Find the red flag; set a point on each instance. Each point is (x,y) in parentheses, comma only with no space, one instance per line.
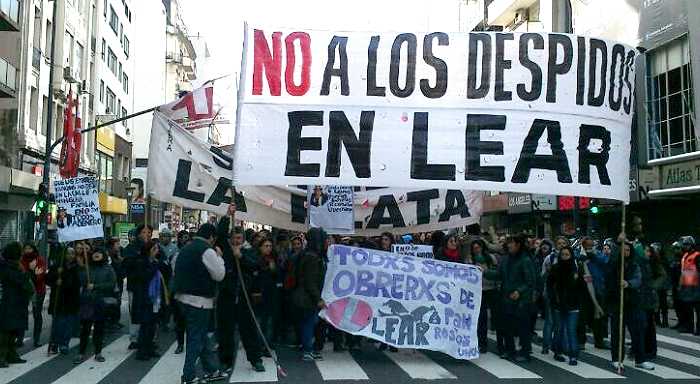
(65,160)
(77,139)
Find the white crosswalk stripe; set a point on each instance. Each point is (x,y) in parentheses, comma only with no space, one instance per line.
(419,366)
(660,370)
(168,368)
(680,357)
(34,359)
(503,369)
(243,372)
(677,342)
(91,371)
(340,366)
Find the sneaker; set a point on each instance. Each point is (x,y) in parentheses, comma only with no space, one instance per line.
(559,358)
(133,346)
(214,376)
(317,355)
(523,359)
(258,366)
(645,365)
(99,358)
(79,359)
(64,351)
(307,357)
(573,362)
(196,380)
(53,349)
(16,360)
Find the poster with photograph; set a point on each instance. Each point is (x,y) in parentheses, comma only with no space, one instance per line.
(331,208)
(79,215)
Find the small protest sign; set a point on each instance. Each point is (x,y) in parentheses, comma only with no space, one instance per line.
(331,208)
(403,301)
(78,214)
(415,250)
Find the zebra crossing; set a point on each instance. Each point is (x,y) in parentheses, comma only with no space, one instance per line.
(679,361)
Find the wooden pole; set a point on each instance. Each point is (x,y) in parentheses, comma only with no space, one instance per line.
(621,326)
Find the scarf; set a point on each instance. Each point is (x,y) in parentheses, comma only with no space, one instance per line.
(452,254)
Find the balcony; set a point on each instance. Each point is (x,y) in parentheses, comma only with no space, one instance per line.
(8,79)
(36,58)
(9,15)
(502,12)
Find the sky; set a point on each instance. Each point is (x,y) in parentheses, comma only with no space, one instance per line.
(220,22)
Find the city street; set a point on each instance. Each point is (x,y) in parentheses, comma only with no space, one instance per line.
(679,360)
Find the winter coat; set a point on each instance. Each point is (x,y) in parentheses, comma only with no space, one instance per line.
(266,284)
(564,284)
(230,287)
(516,273)
(633,276)
(38,280)
(131,254)
(104,280)
(310,272)
(140,271)
(653,278)
(64,299)
(16,291)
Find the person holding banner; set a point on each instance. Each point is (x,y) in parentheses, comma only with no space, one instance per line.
(450,251)
(386,242)
(489,294)
(64,301)
(517,277)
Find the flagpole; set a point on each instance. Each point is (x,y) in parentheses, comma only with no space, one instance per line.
(621,318)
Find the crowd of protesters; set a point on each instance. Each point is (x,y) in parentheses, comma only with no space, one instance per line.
(204,286)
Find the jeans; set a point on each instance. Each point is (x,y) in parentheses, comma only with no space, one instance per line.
(307,326)
(197,329)
(37,309)
(86,326)
(517,325)
(587,318)
(8,348)
(62,328)
(146,336)
(566,334)
(650,346)
(634,321)
(551,327)
(231,315)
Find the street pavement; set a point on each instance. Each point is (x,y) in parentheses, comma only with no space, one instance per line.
(678,361)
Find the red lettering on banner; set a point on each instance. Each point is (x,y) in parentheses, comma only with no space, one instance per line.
(305,42)
(270,63)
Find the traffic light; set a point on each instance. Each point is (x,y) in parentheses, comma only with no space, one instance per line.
(41,205)
(594,209)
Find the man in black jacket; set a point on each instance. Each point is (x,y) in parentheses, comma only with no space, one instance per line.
(132,251)
(15,291)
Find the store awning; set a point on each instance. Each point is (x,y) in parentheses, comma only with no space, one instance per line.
(110,205)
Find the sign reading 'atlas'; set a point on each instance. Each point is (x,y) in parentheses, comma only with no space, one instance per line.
(531,112)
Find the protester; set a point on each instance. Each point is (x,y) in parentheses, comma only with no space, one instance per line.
(16,292)
(653,270)
(169,248)
(551,321)
(386,241)
(450,251)
(183,238)
(632,317)
(664,285)
(489,295)
(564,285)
(592,293)
(115,259)
(97,282)
(64,301)
(689,292)
(517,277)
(197,270)
(35,264)
(307,294)
(265,293)
(132,255)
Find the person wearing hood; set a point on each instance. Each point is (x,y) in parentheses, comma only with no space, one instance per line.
(653,279)
(632,317)
(15,293)
(551,322)
(97,282)
(516,273)
(131,254)
(306,296)
(35,264)
(564,284)
(64,301)
(489,296)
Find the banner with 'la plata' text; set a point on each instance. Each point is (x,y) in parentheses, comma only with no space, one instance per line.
(517,112)
(403,301)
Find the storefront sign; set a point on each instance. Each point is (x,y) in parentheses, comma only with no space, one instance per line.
(544,202)
(519,203)
(680,175)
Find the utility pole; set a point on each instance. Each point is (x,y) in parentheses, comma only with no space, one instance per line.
(43,224)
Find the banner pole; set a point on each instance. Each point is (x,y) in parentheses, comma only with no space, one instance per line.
(621,326)
(240,85)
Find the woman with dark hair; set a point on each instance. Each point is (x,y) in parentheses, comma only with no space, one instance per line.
(97,282)
(183,238)
(35,264)
(147,294)
(64,301)
(489,296)
(450,251)
(16,291)
(564,284)
(649,295)
(306,296)
(265,294)
(386,241)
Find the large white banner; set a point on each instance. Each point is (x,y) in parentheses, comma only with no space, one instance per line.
(78,215)
(530,112)
(404,301)
(186,171)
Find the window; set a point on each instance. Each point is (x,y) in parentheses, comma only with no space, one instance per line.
(113,20)
(670,101)
(34,109)
(125,83)
(104,171)
(119,108)
(68,49)
(104,49)
(79,50)
(102,91)
(121,32)
(110,99)
(49,40)
(112,61)
(119,76)
(105,8)
(126,46)
(44,114)
(124,115)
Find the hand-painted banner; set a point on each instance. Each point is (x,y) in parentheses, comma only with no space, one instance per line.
(78,216)
(186,171)
(415,250)
(404,301)
(531,112)
(331,208)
